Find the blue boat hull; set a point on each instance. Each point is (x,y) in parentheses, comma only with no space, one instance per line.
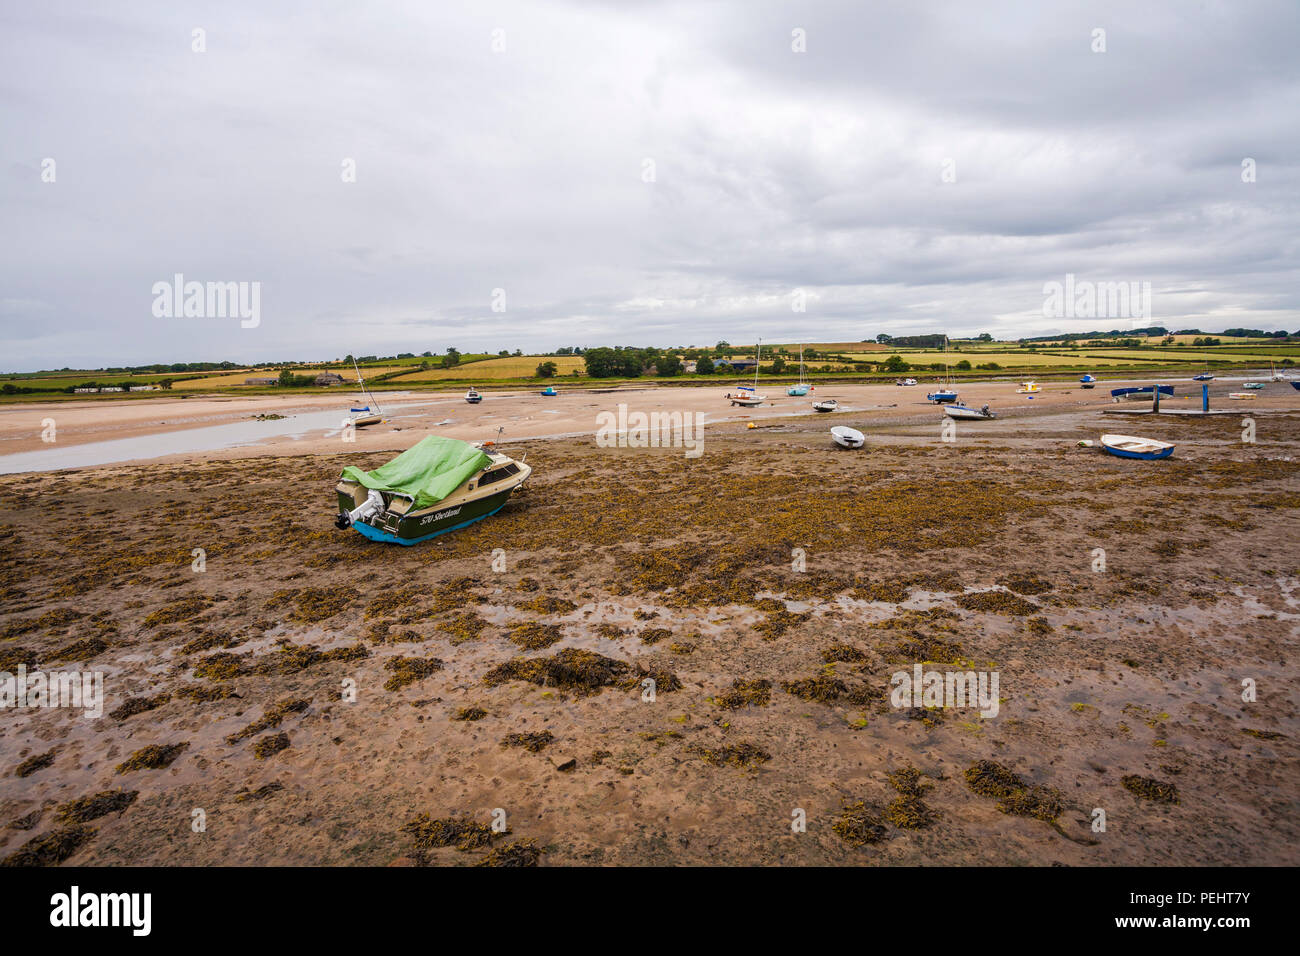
(1140,455)
(376,534)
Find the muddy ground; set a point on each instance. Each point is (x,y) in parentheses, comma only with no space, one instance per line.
(520,690)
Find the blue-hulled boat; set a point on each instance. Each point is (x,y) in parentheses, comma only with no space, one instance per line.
(549,392)
(1296,386)
(1088,381)
(1140,391)
(1127,446)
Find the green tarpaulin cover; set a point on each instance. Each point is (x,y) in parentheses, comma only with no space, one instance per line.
(428,471)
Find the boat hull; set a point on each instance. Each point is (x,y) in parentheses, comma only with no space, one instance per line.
(797,390)
(747,402)
(967,414)
(1154,452)
(1296,386)
(363,420)
(412,529)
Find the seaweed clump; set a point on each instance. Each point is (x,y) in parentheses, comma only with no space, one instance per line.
(859,825)
(138,705)
(460,832)
(271,717)
(470,713)
(1014,795)
(580,672)
(270,745)
(153,757)
(34,763)
(997,602)
(519,853)
(534,636)
(85,809)
(50,849)
(533,741)
(1150,789)
(744,755)
(408,670)
(827,689)
(909,811)
(745,693)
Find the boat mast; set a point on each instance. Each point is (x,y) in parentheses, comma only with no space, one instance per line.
(364,391)
(758,357)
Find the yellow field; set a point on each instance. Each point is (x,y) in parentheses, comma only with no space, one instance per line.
(514,366)
(231,379)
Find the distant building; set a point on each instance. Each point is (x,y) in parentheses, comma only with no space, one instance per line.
(261,381)
(329,378)
(688,366)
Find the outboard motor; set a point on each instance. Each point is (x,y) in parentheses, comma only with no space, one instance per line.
(373,504)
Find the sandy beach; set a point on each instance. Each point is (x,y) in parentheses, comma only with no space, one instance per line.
(771,588)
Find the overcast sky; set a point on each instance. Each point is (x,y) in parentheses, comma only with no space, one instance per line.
(525,168)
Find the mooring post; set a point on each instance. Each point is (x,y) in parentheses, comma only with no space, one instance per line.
(1155,399)
(1205,398)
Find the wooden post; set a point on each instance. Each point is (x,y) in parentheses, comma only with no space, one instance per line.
(1155,398)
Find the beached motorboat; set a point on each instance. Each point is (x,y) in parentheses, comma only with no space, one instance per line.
(829,405)
(1296,386)
(549,391)
(1028,388)
(968,414)
(473,397)
(942,395)
(1203,377)
(1138,392)
(1088,381)
(435,486)
(905,381)
(1254,385)
(847,437)
(1128,446)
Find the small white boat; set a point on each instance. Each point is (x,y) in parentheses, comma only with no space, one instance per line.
(905,381)
(1241,396)
(747,397)
(473,396)
(967,413)
(1129,446)
(829,405)
(848,437)
(1028,388)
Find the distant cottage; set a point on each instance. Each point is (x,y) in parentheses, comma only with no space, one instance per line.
(329,378)
(260,381)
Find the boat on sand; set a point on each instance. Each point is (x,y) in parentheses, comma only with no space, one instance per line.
(1130,446)
(829,405)
(435,486)
(966,413)
(847,437)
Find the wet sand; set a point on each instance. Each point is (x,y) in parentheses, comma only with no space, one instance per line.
(1121,689)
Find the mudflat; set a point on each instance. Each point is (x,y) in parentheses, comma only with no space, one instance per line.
(312,697)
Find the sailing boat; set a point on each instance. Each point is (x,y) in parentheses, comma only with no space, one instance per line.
(363,415)
(748,395)
(1206,376)
(803,386)
(946,394)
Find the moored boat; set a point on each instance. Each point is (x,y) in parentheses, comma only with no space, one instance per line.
(1134,393)
(747,395)
(803,386)
(1028,388)
(966,413)
(363,415)
(1296,386)
(828,405)
(1254,385)
(549,391)
(905,381)
(942,395)
(1129,446)
(847,437)
(435,486)
(473,396)
(1241,396)
(1088,381)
